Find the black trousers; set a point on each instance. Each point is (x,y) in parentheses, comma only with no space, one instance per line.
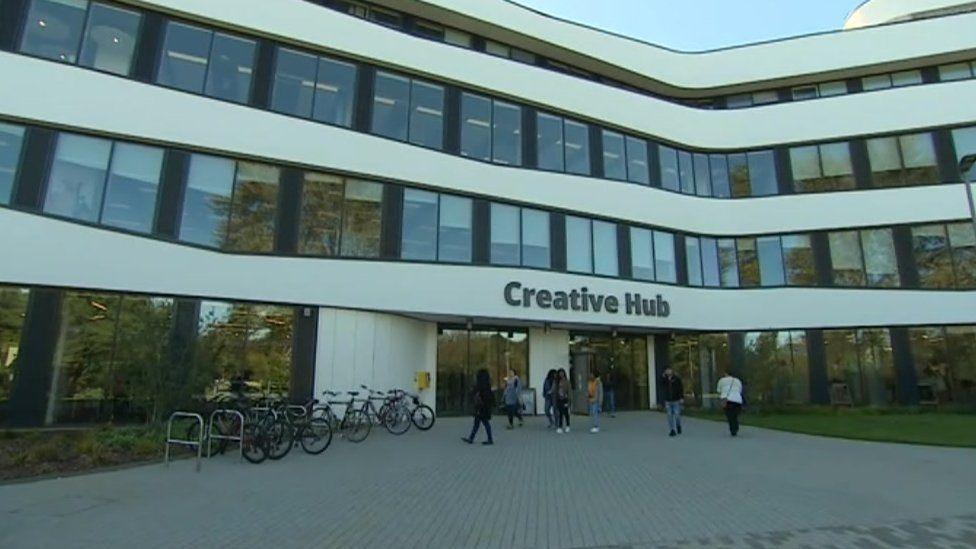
(514,411)
(732,410)
(478,421)
(562,412)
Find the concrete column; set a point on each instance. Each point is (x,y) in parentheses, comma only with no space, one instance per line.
(546,351)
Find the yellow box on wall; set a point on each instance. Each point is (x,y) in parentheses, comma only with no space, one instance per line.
(422,379)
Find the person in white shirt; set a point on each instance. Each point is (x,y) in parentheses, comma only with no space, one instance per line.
(730,394)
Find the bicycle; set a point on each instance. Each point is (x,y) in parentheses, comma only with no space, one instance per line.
(254,439)
(355,424)
(392,414)
(291,422)
(421,415)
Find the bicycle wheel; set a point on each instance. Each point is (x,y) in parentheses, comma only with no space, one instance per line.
(281,437)
(315,436)
(356,426)
(397,420)
(254,443)
(423,417)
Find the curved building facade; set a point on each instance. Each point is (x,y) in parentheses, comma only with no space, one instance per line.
(319,195)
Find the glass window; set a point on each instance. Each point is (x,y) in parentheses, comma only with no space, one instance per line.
(669,168)
(739,101)
(693,260)
(53,29)
(335,92)
(710,264)
(388,18)
(765,97)
(930,354)
(457,38)
(961,341)
(614,156)
(963,243)
(294,83)
(686,171)
(641,254)
(965,142)
(362,212)
(955,71)
(837,171)
(390,105)
(231,66)
(454,238)
(905,160)
(802,93)
(719,176)
(505,232)
(321,215)
(665,265)
(822,167)
(523,56)
(880,263)
(762,173)
(494,48)
(770,261)
(739,175)
(549,130)
(110,39)
(419,225)
(748,262)
(13,310)
(877,367)
(206,204)
(427,115)
(703,184)
(798,260)
(476,129)
(11,143)
(577,148)
(906,78)
(133,182)
(507,133)
(932,256)
(728,262)
(637,171)
(535,238)
(253,208)
(829,89)
(878,82)
(429,30)
(579,245)
(186,50)
(847,265)
(77,178)
(605,248)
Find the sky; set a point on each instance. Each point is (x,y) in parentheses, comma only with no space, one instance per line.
(695,25)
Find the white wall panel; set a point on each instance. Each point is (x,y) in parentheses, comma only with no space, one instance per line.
(546,351)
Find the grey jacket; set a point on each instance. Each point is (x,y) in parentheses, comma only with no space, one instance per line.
(513,386)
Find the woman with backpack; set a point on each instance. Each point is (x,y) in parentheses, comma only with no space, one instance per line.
(484,400)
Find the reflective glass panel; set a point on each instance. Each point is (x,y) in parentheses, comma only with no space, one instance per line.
(231,66)
(110,39)
(918,155)
(955,71)
(762,173)
(878,82)
(637,171)
(739,175)
(665,266)
(186,50)
(11,144)
(728,262)
(641,254)
(614,156)
(932,256)
(748,262)
(294,83)
(686,171)
(880,263)
(605,248)
(693,260)
(321,217)
(906,78)
(710,265)
(427,115)
(550,142)
(419,225)
(362,212)
(77,178)
(53,29)
(335,92)
(847,266)
(965,143)
(133,182)
(828,89)
(535,238)
(13,312)
(770,261)
(963,243)
(932,365)
(798,260)
(719,176)
(206,204)
(454,239)
(577,148)
(476,126)
(253,210)
(505,230)
(703,183)
(669,168)
(390,105)
(507,134)
(579,245)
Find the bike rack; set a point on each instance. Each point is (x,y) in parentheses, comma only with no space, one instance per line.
(238,438)
(183,442)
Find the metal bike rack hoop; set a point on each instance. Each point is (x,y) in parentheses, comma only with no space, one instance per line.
(184,442)
(238,438)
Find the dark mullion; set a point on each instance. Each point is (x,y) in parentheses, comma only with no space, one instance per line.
(148,47)
(288,212)
(530,140)
(391,222)
(230,211)
(905,256)
(904,362)
(557,241)
(105,180)
(654,165)
(823,266)
(206,73)
(451,126)
(34,368)
(365,85)
(861,163)
(172,189)
(12,14)
(481,232)
(945,153)
(817,364)
(681,259)
(39,145)
(624,262)
(784,169)
(265,60)
(595,134)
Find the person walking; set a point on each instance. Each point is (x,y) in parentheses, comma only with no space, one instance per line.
(547,397)
(512,398)
(730,394)
(674,398)
(610,391)
(484,400)
(594,393)
(561,394)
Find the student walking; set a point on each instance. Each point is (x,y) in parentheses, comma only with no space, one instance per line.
(674,397)
(561,394)
(547,397)
(730,394)
(484,400)
(594,392)
(512,398)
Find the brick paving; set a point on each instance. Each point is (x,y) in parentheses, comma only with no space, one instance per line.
(629,486)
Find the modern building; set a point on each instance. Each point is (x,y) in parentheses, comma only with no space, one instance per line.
(323,194)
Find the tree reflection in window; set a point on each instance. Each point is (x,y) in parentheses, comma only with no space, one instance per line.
(255,200)
(13,310)
(362,214)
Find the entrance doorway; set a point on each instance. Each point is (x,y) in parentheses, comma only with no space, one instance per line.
(462,352)
(622,363)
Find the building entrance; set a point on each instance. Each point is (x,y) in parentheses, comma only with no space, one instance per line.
(622,363)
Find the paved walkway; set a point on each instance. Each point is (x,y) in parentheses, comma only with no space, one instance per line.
(629,486)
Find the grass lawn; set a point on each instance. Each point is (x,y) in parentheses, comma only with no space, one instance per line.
(939,429)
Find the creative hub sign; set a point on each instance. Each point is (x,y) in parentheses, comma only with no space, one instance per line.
(583,300)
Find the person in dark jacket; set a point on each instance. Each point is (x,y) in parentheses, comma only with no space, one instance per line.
(548,399)
(484,400)
(674,397)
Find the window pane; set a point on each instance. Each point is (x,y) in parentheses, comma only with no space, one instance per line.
(798,259)
(641,254)
(550,142)
(906,78)
(665,265)
(686,172)
(805,164)
(739,101)
(961,341)
(963,243)
(454,240)
(294,83)
(748,262)
(828,89)
(494,48)
(918,155)
(475,126)
(762,173)
(206,205)
(710,263)
(637,161)
(11,143)
(231,66)
(802,93)
(841,353)
(739,175)
(770,261)
(605,248)
(577,148)
(457,38)
(335,92)
(720,176)
(931,364)
(77,178)
(13,313)
(185,53)
(578,245)
(728,262)
(535,238)
(878,82)
(252,217)
(955,71)
(427,115)
(321,217)
(764,97)
(880,263)
(361,218)
(428,30)
(693,261)
(932,256)
(614,157)
(965,142)
(505,235)
(838,171)
(703,185)
(419,225)
(133,182)
(110,39)
(507,134)
(885,161)
(390,105)
(53,29)
(877,366)
(385,17)
(669,168)
(847,266)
